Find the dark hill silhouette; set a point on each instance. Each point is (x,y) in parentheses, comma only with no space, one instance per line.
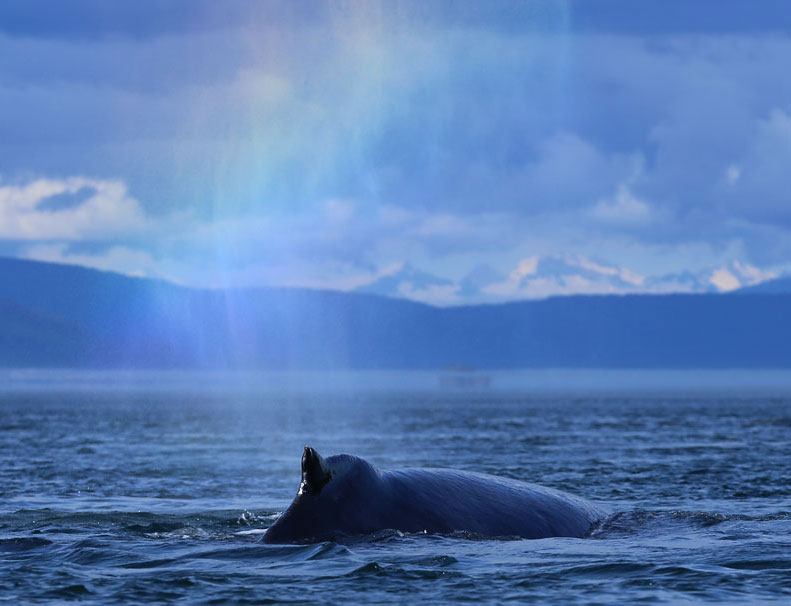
(59,315)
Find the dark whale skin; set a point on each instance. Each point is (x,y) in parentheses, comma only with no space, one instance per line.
(346,496)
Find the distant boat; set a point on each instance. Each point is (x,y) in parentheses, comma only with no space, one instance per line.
(464,377)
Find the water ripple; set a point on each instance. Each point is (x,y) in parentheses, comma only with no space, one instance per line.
(163,499)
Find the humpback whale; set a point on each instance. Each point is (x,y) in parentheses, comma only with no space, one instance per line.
(344,496)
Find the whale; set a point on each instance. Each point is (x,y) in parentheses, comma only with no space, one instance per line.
(344,496)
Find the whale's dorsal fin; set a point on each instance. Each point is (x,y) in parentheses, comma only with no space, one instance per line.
(315,473)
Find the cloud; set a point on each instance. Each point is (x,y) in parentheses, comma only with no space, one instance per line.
(336,244)
(570,172)
(298,146)
(622,209)
(404,281)
(102,209)
(121,259)
(331,244)
(338,236)
(763,178)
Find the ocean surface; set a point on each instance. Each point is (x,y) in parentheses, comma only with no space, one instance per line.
(156,487)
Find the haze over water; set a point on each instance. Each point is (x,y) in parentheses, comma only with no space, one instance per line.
(156,487)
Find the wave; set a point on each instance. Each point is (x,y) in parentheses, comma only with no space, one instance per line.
(18,544)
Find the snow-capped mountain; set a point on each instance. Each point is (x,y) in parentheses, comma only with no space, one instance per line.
(472,285)
(553,275)
(538,277)
(778,286)
(725,278)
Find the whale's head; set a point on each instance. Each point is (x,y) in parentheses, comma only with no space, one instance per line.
(331,501)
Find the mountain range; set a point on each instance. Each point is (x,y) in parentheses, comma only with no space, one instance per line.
(54,315)
(550,275)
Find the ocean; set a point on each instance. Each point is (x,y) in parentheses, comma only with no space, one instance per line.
(156,487)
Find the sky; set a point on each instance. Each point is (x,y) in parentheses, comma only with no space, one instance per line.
(448,152)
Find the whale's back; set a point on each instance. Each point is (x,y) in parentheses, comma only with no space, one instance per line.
(344,496)
(447,500)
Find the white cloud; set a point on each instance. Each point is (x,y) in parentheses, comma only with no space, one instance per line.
(107,212)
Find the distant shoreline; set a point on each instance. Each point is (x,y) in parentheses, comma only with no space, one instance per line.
(529,381)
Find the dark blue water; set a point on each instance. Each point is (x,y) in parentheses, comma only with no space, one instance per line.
(156,487)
